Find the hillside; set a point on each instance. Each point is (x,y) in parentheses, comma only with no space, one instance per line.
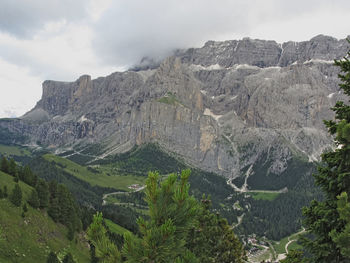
(30,239)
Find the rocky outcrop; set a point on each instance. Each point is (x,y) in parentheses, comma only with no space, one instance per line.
(221,107)
(264,53)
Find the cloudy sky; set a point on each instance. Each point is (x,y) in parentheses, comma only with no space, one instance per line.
(63,39)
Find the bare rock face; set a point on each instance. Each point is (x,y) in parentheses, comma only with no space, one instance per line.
(222,107)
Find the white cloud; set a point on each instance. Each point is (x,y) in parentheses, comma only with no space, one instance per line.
(23,18)
(129,30)
(19,90)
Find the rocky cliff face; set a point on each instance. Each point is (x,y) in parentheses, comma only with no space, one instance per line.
(221,107)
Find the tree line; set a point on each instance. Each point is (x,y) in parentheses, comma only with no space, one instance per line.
(49,196)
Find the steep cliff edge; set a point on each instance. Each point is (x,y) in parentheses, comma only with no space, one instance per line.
(223,107)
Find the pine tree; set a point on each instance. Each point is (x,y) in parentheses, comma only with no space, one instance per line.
(25,208)
(172,215)
(67,208)
(295,256)
(5,194)
(16,195)
(105,250)
(15,179)
(342,239)
(26,175)
(178,230)
(52,258)
(33,200)
(53,186)
(322,219)
(54,209)
(4,165)
(68,258)
(12,168)
(42,189)
(213,240)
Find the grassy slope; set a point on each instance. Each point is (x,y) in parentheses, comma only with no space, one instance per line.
(99,177)
(13,150)
(113,227)
(30,239)
(263,196)
(280,246)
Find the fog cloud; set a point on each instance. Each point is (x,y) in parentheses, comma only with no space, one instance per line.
(130,30)
(23,18)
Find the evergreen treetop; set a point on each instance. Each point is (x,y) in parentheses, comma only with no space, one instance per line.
(16,195)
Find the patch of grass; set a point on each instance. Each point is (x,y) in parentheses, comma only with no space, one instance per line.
(13,150)
(7,180)
(30,239)
(142,159)
(294,246)
(263,196)
(280,246)
(112,199)
(102,176)
(169,99)
(115,228)
(237,206)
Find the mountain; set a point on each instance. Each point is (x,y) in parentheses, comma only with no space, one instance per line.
(238,108)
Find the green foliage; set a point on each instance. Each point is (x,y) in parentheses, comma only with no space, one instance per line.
(281,216)
(213,240)
(12,168)
(62,208)
(16,195)
(105,250)
(82,190)
(26,175)
(42,189)
(263,179)
(117,229)
(68,258)
(324,219)
(342,239)
(4,193)
(33,200)
(25,208)
(15,179)
(172,214)
(52,258)
(170,99)
(4,165)
(295,256)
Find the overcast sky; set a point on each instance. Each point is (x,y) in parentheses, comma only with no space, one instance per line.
(63,39)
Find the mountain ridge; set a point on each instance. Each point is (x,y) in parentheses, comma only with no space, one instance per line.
(222,107)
